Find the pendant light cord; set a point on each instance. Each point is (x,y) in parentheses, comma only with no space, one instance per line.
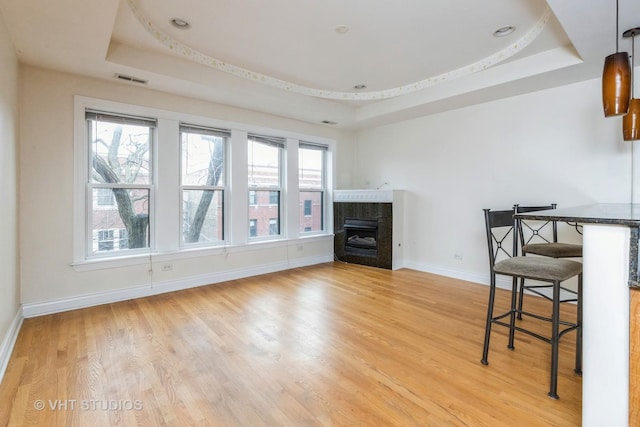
(633,57)
(633,60)
(617,24)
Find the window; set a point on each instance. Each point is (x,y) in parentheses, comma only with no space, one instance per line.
(154,182)
(273,226)
(264,162)
(105,240)
(123,238)
(202,155)
(312,183)
(120,165)
(105,197)
(274,197)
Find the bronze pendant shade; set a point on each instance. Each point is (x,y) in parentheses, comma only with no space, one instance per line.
(631,122)
(616,79)
(616,84)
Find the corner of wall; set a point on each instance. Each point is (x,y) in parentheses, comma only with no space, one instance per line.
(9,342)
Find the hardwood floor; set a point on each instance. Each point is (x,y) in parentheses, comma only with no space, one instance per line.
(331,344)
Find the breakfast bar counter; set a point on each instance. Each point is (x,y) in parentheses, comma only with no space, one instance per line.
(610,326)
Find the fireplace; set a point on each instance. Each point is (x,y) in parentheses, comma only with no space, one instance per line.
(364,227)
(361,237)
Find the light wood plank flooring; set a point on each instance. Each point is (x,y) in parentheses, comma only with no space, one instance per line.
(327,345)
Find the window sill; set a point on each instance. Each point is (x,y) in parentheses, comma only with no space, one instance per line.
(150,258)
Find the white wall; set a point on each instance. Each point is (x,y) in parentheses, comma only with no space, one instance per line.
(9,278)
(550,146)
(46,188)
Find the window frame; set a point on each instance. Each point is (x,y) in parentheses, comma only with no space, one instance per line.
(108,238)
(307,207)
(280,143)
(324,149)
(125,118)
(253,225)
(223,133)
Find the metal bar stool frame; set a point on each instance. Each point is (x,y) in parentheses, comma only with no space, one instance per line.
(546,233)
(543,269)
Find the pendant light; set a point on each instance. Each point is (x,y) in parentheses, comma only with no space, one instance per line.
(631,121)
(616,81)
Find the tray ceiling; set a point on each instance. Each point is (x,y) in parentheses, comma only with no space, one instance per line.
(306,60)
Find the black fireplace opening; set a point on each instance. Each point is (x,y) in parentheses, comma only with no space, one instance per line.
(361,237)
(363,233)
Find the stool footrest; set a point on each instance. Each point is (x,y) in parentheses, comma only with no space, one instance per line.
(569,325)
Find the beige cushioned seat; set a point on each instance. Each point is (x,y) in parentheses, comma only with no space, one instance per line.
(539,268)
(554,250)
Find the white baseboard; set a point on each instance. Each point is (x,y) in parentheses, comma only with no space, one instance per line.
(456,274)
(9,342)
(89,300)
(155,288)
(503,282)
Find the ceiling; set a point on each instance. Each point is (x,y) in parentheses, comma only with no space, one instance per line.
(304,59)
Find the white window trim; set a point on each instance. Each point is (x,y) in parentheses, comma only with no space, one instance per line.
(167,244)
(282,164)
(223,188)
(327,224)
(81,147)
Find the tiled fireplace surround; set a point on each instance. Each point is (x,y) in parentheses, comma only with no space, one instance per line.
(369,219)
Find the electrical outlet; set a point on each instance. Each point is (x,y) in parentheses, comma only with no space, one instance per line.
(167,267)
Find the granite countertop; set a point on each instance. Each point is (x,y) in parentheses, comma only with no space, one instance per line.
(602,213)
(625,214)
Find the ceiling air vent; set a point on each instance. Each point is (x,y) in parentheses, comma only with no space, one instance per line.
(130,79)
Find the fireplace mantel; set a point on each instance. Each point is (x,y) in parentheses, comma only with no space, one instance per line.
(364,196)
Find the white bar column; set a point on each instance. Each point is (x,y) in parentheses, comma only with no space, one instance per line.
(605,380)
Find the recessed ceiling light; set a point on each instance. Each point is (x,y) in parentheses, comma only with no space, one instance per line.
(342,29)
(180,23)
(360,87)
(504,31)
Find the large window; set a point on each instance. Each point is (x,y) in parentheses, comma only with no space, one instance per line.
(154,182)
(202,181)
(312,184)
(120,170)
(264,162)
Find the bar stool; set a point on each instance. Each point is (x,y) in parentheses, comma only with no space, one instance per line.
(548,244)
(541,238)
(500,228)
